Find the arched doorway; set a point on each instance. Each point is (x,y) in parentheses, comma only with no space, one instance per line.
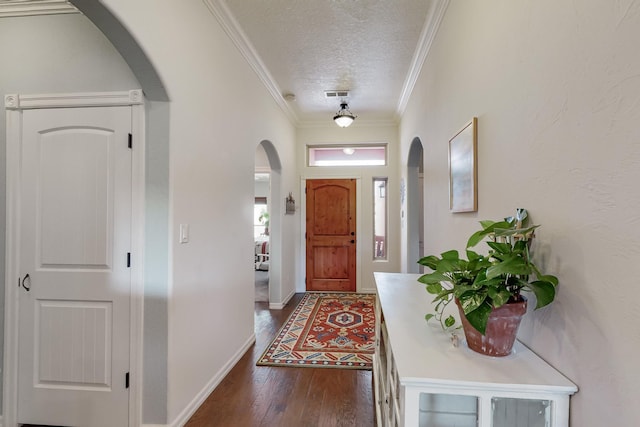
(268,235)
(415,207)
(261,225)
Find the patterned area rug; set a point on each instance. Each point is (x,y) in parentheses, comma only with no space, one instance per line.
(335,330)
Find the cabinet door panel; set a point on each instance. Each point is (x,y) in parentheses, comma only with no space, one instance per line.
(509,412)
(443,410)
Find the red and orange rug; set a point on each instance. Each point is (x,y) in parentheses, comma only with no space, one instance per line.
(334,330)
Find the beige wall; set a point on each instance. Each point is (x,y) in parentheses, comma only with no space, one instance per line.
(556,90)
(211,188)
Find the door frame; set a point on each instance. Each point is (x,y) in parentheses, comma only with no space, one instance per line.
(414,206)
(14,105)
(303,227)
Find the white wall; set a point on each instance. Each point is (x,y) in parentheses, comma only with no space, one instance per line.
(78,59)
(555,87)
(358,133)
(156,251)
(212,155)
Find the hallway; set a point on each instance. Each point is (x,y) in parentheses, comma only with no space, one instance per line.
(289,397)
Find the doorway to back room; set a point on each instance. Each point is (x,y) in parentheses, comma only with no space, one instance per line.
(261,223)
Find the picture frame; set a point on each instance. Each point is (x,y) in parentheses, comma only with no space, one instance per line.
(463,169)
(289,205)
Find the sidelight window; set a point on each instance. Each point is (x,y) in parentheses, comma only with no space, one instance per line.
(380,208)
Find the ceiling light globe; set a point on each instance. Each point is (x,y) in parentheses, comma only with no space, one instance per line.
(343,120)
(344,117)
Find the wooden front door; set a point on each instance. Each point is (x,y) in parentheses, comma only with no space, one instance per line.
(331,235)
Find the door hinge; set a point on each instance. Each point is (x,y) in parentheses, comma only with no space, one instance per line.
(128,259)
(130,141)
(126,380)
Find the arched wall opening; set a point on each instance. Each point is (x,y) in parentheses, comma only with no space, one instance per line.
(275,223)
(127,46)
(415,206)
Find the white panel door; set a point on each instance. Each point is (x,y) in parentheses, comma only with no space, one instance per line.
(75,236)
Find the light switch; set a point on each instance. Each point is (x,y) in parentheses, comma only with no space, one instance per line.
(184,233)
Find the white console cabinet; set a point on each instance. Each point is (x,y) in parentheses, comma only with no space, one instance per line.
(422,379)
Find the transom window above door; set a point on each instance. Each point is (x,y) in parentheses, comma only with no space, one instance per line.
(347,155)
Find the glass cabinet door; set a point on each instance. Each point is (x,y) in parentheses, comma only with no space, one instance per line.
(445,410)
(510,412)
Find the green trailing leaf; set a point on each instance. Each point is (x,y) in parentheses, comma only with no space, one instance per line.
(488,228)
(509,265)
(449,321)
(481,274)
(476,238)
(499,296)
(548,278)
(429,261)
(434,288)
(477,267)
(435,277)
(451,255)
(486,223)
(473,256)
(503,248)
(545,292)
(472,300)
(521,248)
(442,298)
(478,318)
(448,266)
(429,316)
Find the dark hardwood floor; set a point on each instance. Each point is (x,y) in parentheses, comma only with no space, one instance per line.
(253,395)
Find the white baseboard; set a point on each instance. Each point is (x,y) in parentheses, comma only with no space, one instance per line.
(191,408)
(280,306)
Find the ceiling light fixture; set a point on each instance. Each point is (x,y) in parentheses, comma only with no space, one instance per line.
(344,117)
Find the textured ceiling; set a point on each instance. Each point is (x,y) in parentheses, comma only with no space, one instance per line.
(310,46)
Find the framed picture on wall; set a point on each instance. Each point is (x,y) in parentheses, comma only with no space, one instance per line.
(463,169)
(289,205)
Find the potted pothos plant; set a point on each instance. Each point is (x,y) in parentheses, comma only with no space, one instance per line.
(488,288)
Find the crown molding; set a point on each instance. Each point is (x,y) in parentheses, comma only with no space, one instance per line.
(15,8)
(429,31)
(221,12)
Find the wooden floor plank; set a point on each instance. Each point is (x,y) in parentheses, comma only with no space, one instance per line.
(268,396)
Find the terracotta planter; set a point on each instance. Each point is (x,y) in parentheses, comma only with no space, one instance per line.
(502,328)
